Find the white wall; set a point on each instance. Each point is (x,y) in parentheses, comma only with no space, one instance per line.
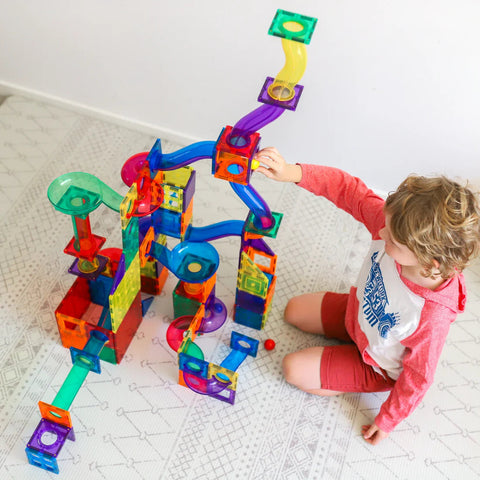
(391,87)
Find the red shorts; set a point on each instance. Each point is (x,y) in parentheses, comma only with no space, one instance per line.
(342,367)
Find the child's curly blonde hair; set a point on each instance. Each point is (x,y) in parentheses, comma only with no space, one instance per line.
(438,220)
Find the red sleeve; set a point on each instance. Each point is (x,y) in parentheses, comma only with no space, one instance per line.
(346,192)
(423,349)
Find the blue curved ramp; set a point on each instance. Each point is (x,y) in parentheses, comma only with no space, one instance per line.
(216,230)
(185,156)
(192,262)
(255,203)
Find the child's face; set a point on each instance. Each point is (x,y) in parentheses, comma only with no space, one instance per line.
(399,252)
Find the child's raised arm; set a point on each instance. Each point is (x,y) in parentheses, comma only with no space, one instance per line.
(275,167)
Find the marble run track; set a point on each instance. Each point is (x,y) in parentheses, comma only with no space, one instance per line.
(103,309)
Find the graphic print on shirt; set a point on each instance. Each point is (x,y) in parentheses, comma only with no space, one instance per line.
(375,301)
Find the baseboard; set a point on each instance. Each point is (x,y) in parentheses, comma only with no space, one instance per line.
(8,89)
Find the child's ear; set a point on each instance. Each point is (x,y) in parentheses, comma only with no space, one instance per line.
(436,266)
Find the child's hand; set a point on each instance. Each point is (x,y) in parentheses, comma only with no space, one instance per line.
(372,434)
(275,167)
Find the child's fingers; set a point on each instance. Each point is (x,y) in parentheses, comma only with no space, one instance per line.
(265,171)
(270,166)
(373,435)
(368,431)
(265,160)
(270,152)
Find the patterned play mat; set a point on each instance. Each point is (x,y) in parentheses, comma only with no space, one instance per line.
(134,421)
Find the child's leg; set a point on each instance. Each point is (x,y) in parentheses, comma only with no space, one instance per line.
(332,370)
(302,369)
(323,370)
(320,312)
(304,312)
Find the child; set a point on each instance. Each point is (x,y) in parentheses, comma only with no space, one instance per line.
(408,292)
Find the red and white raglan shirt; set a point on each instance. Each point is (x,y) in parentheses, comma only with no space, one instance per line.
(398,326)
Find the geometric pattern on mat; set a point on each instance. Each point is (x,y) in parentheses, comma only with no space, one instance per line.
(134,421)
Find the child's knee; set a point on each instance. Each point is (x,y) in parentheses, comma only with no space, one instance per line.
(291,368)
(292,310)
(304,312)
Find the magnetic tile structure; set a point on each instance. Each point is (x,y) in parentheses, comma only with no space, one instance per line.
(113,287)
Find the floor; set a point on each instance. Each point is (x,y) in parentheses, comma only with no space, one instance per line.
(134,421)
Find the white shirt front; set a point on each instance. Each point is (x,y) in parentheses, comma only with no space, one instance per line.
(388,310)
